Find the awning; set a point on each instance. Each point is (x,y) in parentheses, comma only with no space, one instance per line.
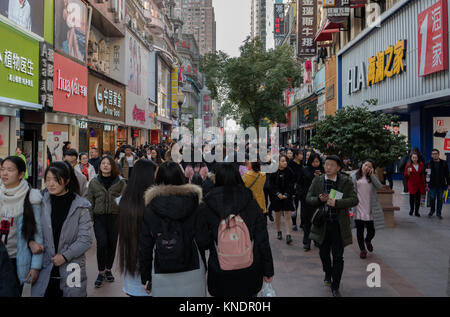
(326,31)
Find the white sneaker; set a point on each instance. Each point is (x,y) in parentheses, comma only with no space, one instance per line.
(405,193)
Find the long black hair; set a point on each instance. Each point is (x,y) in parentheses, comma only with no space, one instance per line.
(228,177)
(29,222)
(312,157)
(359,173)
(63,172)
(131,207)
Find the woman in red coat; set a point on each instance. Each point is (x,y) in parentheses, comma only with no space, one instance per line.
(416,183)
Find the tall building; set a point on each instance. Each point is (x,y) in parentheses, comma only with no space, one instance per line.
(199,19)
(258,20)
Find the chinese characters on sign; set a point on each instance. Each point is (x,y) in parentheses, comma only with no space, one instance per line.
(174,78)
(307,27)
(46,75)
(18,63)
(433,39)
(138,114)
(279,19)
(337,8)
(107,100)
(385,64)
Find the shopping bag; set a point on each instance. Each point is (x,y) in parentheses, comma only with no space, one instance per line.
(26,292)
(427,199)
(444,198)
(267,290)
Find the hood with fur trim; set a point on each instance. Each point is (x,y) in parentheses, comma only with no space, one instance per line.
(172,201)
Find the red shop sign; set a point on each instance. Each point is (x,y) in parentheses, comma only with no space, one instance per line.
(433,39)
(70,86)
(138,114)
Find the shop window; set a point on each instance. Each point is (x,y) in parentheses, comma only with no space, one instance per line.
(4,136)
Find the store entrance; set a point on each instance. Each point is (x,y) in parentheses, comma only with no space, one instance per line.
(32,147)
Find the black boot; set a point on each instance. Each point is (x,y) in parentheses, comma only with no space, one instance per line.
(288,239)
(280,236)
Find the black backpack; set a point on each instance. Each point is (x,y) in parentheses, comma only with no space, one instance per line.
(172,252)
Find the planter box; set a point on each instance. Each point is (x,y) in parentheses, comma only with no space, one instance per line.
(386,196)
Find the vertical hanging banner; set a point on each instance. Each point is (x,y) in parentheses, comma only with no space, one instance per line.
(279,19)
(46,74)
(174,79)
(307,27)
(433,38)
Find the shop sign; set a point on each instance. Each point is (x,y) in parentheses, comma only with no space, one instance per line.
(47,55)
(441,135)
(337,8)
(433,39)
(386,64)
(19,66)
(82,124)
(70,81)
(174,78)
(307,17)
(279,19)
(138,114)
(106,99)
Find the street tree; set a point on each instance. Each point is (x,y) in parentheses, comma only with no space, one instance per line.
(250,87)
(359,134)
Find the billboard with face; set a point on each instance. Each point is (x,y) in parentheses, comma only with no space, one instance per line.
(29,14)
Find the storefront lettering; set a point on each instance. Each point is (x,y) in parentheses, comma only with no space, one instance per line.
(72,87)
(107,97)
(385,64)
(18,63)
(138,114)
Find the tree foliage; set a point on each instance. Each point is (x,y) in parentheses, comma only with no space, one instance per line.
(250,87)
(359,134)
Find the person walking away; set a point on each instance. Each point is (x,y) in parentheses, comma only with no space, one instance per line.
(127,162)
(19,153)
(368,213)
(255,180)
(296,165)
(439,181)
(282,189)
(170,261)
(335,233)
(131,213)
(233,204)
(20,222)
(67,234)
(102,194)
(416,183)
(312,169)
(95,158)
(71,157)
(85,168)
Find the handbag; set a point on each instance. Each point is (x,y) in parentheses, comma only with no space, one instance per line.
(320,216)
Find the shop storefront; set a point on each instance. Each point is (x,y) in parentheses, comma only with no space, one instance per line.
(106,112)
(307,116)
(20,123)
(403,66)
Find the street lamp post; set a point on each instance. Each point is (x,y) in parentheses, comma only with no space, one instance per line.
(180,99)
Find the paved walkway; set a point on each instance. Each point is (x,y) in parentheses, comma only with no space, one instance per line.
(413,256)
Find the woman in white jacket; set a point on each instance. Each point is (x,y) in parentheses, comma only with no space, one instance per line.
(85,168)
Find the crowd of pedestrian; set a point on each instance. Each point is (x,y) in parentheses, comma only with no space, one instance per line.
(186,228)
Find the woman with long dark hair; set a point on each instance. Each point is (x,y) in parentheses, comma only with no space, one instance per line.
(131,214)
(67,233)
(230,197)
(282,189)
(368,213)
(102,194)
(312,169)
(20,216)
(170,263)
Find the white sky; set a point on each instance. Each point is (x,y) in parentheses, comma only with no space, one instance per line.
(232,23)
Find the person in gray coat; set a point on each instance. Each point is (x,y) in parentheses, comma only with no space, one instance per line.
(368,213)
(67,235)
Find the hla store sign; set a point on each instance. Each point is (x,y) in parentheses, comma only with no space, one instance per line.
(383,66)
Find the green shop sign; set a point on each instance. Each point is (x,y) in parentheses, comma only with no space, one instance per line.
(19,68)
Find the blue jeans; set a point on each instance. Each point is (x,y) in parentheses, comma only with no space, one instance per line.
(436,193)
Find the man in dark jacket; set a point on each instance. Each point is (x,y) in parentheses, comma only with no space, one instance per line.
(402,166)
(95,158)
(8,283)
(439,181)
(336,233)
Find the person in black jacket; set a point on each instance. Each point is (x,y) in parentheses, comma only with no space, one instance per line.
(281,190)
(404,160)
(230,196)
(8,284)
(296,165)
(169,218)
(439,177)
(314,168)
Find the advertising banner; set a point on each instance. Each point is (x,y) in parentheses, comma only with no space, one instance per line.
(433,38)
(70,28)
(279,20)
(307,27)
(137,112)
(70,81)
(46,64)
(19,66)
(441,135)
(29,14)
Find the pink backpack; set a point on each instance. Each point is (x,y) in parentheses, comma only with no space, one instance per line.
(234,246)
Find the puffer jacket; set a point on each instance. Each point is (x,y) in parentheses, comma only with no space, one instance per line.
(244,282)
(103,201)
(257,188)
(177,203)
